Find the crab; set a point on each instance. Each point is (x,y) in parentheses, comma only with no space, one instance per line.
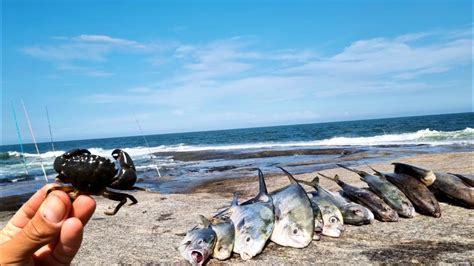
(90,174)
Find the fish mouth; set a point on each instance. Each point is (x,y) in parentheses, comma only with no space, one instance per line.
(245,256)
(198,257)
(318,231)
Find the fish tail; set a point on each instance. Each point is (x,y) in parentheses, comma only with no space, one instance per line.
(376,172)
(205,222)
(335,178)
(289,175)
(352,170)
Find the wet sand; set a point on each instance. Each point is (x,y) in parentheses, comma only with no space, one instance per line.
(150,231)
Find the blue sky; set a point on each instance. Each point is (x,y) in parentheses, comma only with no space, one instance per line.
(199,65)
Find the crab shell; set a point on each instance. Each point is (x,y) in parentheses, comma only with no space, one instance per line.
(88,173)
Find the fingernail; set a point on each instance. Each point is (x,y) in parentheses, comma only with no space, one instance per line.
(54,209)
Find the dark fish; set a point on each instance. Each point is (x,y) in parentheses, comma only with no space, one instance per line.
(454,189)
(424,175)
(443,186)
(386,191)
(467,178)
(418,193)
(381,210)
(352,213)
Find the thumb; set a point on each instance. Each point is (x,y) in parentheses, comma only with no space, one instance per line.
(42,229)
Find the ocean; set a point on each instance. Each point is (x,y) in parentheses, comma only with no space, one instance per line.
(185,160)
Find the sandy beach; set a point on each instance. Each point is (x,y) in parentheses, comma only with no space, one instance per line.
(150,231)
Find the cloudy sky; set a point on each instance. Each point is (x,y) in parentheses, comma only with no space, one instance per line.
(179,66)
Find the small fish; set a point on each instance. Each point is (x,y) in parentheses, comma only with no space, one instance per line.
(425,176)
(381,210)
(294,226)
(198,244)
(466,178)
(352,213)
(225,233)
(253,221)
(386,191)
(331,217)
(422,198)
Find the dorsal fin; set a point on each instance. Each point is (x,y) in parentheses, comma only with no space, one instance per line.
(205,222)
(235,200)
(262,188)
(290,176)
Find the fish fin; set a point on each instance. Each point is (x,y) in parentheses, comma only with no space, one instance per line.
(359,172)
(262,188)
(313,183)
(205,222)
(376,172)
(235,200)
(290,176)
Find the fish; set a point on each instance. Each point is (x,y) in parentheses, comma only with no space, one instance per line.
(352,213)
(253,222)
(225,233)
(386,191)
(198,245)
(424,175)
(331,217)
(380,209)
(418,193)
(444,185)
(294,225)
(466,178)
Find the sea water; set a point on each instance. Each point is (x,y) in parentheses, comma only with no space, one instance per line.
(187,159)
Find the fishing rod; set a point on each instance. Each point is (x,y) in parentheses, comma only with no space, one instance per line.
(148,146)
(49,125)
(18,133)
(34,140)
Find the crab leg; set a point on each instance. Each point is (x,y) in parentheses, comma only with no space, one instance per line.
(69,189)
(122,197)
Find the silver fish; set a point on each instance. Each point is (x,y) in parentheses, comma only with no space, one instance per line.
(422,198)
(331,216)
(294,225)
(352,213)
(198,244)
(225,234)
(381,210)
(253,222)
(386,191)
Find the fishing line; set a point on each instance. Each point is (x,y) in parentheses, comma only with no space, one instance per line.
(148,146)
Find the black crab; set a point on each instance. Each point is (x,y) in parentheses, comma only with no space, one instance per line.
(91,174)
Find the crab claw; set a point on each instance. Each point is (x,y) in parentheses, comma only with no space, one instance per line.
(123,158)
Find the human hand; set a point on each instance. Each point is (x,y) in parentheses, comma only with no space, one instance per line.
(46,230)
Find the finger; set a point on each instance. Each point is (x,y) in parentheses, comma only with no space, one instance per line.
(24,214)
(28,210)
(70,240)
(83,207)
(42,229)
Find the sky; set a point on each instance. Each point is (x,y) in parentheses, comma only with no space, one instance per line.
(178,66)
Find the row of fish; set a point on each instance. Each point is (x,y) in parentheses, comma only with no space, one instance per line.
(293,217)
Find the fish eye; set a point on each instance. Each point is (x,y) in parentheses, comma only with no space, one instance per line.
(200,242)
(333,220)
(357,212)
(295,231)
(247,239)
(219,249)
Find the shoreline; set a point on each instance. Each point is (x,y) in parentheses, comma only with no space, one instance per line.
(149,231)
